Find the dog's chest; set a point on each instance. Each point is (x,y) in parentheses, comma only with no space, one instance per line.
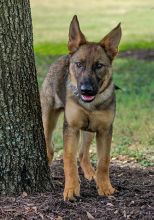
(79,118)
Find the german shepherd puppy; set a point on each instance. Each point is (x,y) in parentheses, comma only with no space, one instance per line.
(80,84)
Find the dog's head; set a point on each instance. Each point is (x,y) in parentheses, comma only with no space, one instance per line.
(91,63)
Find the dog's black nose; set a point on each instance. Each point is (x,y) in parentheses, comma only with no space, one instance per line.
(86,89)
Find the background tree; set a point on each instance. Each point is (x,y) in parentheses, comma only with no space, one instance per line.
(23,162)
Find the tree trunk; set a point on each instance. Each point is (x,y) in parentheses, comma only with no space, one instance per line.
(23,160)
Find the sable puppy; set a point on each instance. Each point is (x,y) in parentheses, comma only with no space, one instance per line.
(80,84)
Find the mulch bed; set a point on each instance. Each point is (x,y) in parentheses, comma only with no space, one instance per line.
(135,199)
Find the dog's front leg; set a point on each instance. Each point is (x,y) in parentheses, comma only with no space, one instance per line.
(72,186)
(84,156)
(103,139)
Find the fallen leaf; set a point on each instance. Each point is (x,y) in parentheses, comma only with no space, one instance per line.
(110,204)
(112,197)
(59,218)
(9,210)
(124,212)
(90,216)
(24,194)
(131,203)
(41,215)
(31,209)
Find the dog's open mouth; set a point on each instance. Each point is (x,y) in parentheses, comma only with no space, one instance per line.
(87,98)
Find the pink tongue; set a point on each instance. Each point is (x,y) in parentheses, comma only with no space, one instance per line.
(87,98)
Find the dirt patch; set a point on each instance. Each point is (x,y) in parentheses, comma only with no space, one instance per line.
(135,199)
(144,54)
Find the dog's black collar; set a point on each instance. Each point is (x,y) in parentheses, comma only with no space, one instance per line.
(117,87)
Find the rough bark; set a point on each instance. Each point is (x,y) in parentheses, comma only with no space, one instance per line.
(23,161)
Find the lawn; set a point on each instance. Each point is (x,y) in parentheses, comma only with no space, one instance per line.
(134,123)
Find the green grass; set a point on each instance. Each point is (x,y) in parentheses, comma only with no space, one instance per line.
(51,21)
(134,122)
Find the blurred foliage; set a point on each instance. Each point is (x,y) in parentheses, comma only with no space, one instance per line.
(51,21)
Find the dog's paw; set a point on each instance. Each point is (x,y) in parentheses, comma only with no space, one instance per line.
(106,189)
(89,172)
(71,191)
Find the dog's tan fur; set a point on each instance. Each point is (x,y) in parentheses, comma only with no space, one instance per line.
(60,93)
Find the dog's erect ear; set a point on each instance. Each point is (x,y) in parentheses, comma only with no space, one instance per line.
(76,37)
(111,41)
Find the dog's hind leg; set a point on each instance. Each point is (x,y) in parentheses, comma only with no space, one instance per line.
(84,155)
(49,118)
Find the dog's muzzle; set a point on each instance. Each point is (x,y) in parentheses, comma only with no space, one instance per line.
(87,93)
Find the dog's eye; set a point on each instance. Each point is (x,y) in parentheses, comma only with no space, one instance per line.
(79,64)
(98,65)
